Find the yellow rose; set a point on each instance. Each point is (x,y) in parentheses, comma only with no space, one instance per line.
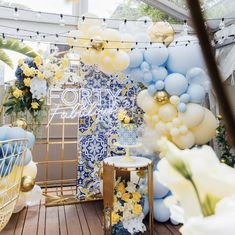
(136,196)
(58,75)
(27,82)
(115,218)
(137,209)
(38,60)
(126,197)
(121,115)
(141,173)
(127,119)
(121,188)
(20,62)
(34,105)
(27,71)
(41,76)
(17,93)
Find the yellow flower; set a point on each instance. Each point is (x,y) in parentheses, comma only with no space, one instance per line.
(115,218)
(27,71)
(34,105)
(136,196)
(121,115)
(27,82)
(20,62)
(114,199)
(126,197)
(64,62)
(137,209)
(58,75)
(17,93)
(141,173)
(41,76)
(127,119)
(38,60)
(121,188)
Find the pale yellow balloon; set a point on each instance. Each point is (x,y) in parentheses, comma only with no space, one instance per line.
(113,37)
(174,100)
(150,106)
(121,61)
(206,130)
(160,127)
(141,96)
(127,42)
(106,65)
(184,141)
(30,170)
(193,116)
(94,31)
(167,112)
(148,120)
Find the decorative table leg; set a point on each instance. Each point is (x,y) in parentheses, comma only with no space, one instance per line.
(150,197)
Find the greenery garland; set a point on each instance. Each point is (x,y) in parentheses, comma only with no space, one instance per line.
(227,155)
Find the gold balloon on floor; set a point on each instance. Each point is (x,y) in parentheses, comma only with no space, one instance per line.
(20,122)
(161,97)
(27,184)
(161,32)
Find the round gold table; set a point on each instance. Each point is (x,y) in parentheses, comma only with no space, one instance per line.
(115,167)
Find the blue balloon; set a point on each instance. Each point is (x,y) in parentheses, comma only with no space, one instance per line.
(3,132)
(31,139)
(136,75)
(159,85)
(185,98)
(127,71)
(160,211)
(176,84)
(136,58)
(159,73)
(16,133)
(197,75)
(26,160)
(197,93)
(159,190)
(148,77)
(181,57)
(145,67)
(174,222)
(157,55)
(152,90)
(182,107)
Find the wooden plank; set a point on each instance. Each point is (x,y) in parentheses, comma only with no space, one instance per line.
(83,220)
(31,220)
(99,211)
(62,221)
(20,223)
(73,222)
(92,219)
(173,229)
(52,221)
(41,220)
(162,229)
(10,227)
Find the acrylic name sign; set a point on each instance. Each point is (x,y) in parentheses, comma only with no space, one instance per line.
(70,103)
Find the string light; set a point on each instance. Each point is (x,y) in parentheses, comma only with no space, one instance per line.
(62,20)
(4,39)
(22,45)
(39,15)
(16,13)
(222,24)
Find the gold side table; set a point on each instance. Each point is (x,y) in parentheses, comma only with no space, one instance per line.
(114,167)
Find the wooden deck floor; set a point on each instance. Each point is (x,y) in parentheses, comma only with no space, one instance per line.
(79,219)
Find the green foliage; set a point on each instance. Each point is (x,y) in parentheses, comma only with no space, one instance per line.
(226,152)
(14,45)
(131,9)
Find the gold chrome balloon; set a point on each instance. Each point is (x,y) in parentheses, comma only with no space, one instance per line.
(97,43)
(161,32)
(27,184)
(161,97)
(21,122)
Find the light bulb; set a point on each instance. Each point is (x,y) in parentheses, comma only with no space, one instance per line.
(4,39)
(62,20)
(21,45)
(16,13)
(39,15)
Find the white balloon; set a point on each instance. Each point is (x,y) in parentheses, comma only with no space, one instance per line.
(34,196)
(20,203)
(30,170)
(184,141)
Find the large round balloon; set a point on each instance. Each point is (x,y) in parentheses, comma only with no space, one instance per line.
(193,116)
(159,190)
(31,139)
(176,84)
(156,55)
(185,55)
(159,73)
(3,132)
(30,170)
(167,112)
(197,93)
(184,141)
(136,58)
(206,130)
(16,133)
(160,211)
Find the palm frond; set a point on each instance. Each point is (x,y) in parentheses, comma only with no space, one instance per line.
(5,58)
(14,45)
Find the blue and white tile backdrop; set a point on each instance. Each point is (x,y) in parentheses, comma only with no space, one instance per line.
(98,132)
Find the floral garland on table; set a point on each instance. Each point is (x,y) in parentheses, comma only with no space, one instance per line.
(125,119)
(28,93)
(127,215)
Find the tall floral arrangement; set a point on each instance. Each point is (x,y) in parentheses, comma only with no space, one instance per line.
(127,214)
(28,93)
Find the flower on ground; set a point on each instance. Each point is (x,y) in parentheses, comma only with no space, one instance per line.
(41,76)
(126,197)
(38,60)
(131,187)
(28,72)
(17,93)
(137,209)
(136,196)
(20,62)
(121,188)
(27,82)
(35,105)
(115,218)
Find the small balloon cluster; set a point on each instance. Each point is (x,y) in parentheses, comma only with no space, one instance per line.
(160,211)
(30,194)
(175,89)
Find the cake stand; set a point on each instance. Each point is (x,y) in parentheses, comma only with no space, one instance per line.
(127,157)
